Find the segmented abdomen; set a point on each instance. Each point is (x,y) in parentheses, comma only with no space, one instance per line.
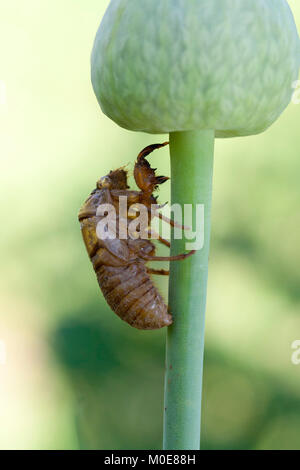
(131,294)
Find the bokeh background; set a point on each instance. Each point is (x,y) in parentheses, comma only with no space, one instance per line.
(75,376)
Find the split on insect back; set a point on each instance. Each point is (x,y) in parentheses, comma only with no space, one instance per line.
(120,254)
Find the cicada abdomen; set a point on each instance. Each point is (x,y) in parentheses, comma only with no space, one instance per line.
(120,264)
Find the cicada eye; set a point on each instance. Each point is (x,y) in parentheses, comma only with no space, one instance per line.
(104,182)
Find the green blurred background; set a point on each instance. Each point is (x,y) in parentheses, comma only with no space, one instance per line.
(75,375)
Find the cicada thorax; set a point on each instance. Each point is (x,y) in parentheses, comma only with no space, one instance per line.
(119,265)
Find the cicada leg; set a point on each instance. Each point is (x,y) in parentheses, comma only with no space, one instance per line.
(167,258)
(164,242)
(159,272)
(146,151)
(156,236)
(173,223)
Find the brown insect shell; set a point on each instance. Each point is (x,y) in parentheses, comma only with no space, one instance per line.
(121,259)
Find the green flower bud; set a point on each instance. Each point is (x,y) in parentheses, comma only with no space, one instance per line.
(162,66)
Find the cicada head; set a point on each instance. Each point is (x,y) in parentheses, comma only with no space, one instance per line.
(114,180)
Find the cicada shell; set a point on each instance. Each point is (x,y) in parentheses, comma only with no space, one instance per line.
(121,265)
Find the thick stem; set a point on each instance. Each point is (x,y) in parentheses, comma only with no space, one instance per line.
(191,171)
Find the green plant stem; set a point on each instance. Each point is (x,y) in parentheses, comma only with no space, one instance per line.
(191,179)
